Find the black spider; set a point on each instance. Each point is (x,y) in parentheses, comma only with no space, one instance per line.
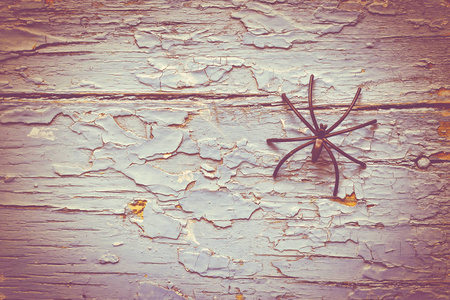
(321,135)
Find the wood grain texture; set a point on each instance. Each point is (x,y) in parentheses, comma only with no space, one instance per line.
(134,161)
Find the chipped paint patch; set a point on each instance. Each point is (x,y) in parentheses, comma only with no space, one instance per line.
(423,162)
(42,133)
(109,258)
(186,176)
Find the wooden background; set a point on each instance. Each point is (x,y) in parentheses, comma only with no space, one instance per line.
(134,161)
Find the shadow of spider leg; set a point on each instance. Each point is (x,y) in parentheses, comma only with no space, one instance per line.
(280,163)
(287,156)
(336,169)
(363,164)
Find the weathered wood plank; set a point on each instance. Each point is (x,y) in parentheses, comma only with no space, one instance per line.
(217,202)
(399,53)
(154,260)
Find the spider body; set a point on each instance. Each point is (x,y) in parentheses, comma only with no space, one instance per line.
(320,136)
(318,144)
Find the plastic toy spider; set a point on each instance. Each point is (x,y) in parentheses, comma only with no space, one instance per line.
(321,135)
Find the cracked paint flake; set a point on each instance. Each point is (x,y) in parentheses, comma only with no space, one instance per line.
(309,268)
(147,40)
(30,115)
(163,141)
(209,148)
(268,28)
(148,291)
(383,8)
(156,224)
(206,263)
(163,117)
(155,180)
(25,39)
(221,208)
(198,71)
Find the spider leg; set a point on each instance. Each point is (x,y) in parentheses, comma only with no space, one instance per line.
(336,170)
(346,113)
(303,138)
(311,109)
(289,155)
(283,96)
(363,164)
(351,128)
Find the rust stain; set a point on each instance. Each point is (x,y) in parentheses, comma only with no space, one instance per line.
(137,207)
(444,129)
(51,2)
(442,92)
(349,200)
(99,4)
(2,278)
(355,5)
(441,156)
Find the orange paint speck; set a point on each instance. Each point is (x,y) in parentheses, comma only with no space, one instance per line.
(137,207)
(349,200)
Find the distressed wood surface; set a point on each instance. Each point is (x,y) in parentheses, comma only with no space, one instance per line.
(134,161)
